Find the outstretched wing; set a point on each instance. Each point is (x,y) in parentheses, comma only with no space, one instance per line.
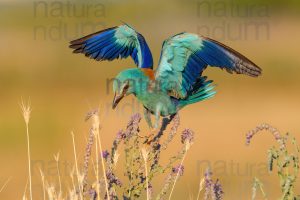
(185,56)
(113,43)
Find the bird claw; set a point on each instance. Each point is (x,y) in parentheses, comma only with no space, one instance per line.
(151,136)
(153,129)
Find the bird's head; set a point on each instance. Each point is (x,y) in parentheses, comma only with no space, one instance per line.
(127,82)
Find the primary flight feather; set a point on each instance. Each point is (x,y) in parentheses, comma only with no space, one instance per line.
(177,81)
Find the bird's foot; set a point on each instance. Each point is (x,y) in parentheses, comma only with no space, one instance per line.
(150,138)
(141,136)
(152,131)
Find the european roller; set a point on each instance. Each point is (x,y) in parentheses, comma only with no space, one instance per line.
(177,81)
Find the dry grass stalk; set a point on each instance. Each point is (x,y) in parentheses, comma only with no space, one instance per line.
(258,185)
(97,169)
(145,154)
(72,179)
(5,184)
(56,158)
(43,183)
(51,192)
(187,147)
(103,167)
(26,111)
(76,167)
(24,194)
(95,128)
(201,187)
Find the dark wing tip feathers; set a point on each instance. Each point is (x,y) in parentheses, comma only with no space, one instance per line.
(84,38)
(242,65)
(79,44)
(250,69)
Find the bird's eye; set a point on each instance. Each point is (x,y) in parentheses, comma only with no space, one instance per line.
(125,87)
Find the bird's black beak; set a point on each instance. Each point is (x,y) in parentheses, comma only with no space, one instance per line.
(117,99)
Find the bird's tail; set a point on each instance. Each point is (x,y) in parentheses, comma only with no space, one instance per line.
(202,90)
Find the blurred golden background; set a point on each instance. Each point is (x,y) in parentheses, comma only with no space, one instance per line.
(36,63)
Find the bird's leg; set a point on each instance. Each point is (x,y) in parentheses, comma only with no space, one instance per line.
(157,115)
(148,119)
(156,124)
(147,115)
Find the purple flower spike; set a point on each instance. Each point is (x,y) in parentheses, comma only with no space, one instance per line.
(93,194)
(178,169)
(276,134)
(105,154)
(120,135)
(187,136)
(132,126)
(218,191)
(213,190)
(113,179)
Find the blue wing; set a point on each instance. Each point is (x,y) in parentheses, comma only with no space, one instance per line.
(113,43)
(185,56)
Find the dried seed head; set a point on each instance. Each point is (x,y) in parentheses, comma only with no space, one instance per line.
(26,110)
(81,178)
(217,191)
(113,179)
(90,114)
(56,157)
(187,136)
(51,192)
(202,182)
(145,154)
(116,158)
(120,135)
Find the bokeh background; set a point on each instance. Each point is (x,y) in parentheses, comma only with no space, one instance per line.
(36,64)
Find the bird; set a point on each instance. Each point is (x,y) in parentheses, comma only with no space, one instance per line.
(178,80)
